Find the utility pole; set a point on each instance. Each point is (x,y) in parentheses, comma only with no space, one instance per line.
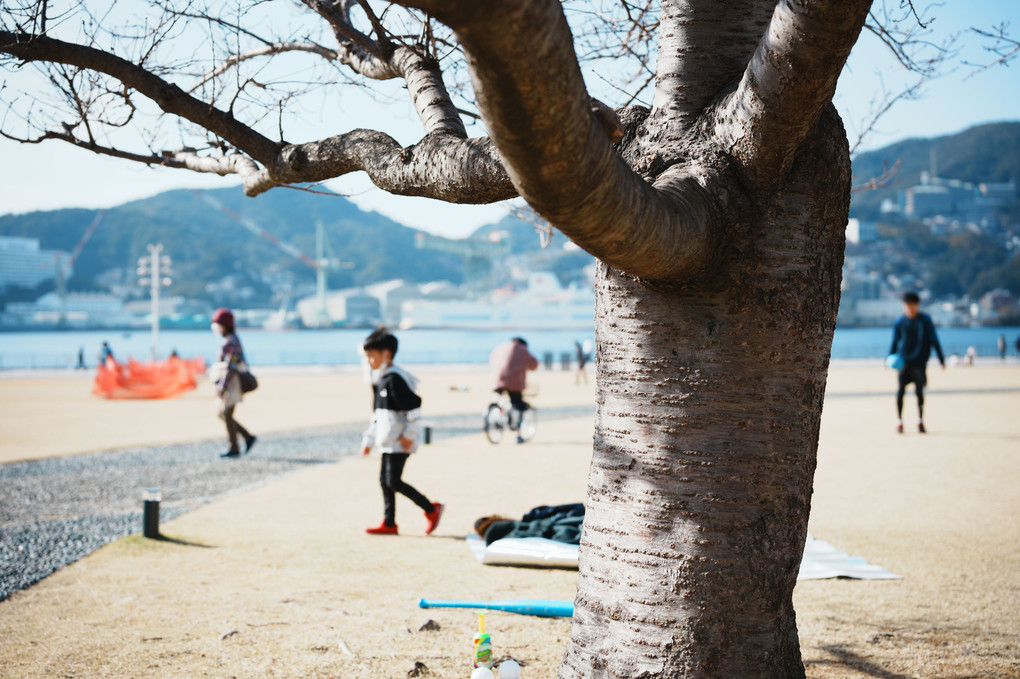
(154,271)
(323,320)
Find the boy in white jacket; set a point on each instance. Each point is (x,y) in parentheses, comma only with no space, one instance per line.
(394,430)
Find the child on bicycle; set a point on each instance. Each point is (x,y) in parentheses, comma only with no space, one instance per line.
(394,430)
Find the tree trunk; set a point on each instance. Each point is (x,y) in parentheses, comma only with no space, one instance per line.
(709,401)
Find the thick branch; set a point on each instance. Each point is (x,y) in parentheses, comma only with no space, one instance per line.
(167,96)
(233,163)
(439,166)
(703,47)
(791,77)
(428,93)
(559,156)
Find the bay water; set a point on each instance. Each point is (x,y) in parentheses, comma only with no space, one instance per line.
(59,349)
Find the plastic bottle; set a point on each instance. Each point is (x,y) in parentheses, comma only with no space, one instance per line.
(482,646)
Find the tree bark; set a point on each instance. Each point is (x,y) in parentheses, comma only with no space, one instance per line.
(708,407)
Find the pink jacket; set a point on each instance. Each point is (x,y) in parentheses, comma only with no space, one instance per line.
(510,362)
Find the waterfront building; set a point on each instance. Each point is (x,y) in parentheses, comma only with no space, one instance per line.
(24,264)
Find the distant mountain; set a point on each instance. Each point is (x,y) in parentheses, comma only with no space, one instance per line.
(985,153)
(207,245)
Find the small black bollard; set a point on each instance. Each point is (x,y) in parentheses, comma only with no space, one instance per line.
(427,435)
(150,512)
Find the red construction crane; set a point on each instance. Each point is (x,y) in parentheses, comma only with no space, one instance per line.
(60,281)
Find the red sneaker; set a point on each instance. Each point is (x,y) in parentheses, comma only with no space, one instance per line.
(382,529)
(433,517)
(920,428)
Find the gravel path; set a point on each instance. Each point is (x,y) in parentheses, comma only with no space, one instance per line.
(58,510)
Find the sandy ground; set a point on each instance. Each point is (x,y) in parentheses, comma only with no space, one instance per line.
(281,581)
(57,415)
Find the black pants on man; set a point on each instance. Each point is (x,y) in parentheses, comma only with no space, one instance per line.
(517,406)
(917,375)
(389,479)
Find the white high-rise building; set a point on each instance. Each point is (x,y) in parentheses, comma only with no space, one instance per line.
(22,263)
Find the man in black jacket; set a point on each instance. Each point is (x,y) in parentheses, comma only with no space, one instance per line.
(913,339)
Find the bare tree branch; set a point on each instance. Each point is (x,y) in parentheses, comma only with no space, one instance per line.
(99,149)
(887,178)
(167,96)
(381,33)
(384,61)
(362,54)
(883,106)
(1004,47)
(267,50)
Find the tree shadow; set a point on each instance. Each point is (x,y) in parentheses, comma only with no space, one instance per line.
(845,657)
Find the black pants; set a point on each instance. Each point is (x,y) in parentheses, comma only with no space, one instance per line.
(917,375)
(233,427)
(389,479)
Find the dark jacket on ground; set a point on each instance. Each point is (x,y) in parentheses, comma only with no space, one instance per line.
(561,523)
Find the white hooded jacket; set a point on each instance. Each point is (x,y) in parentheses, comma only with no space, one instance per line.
(397,411)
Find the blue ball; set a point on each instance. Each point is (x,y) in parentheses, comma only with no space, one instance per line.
(894,361)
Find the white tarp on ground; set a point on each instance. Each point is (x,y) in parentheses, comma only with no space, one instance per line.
(821,560)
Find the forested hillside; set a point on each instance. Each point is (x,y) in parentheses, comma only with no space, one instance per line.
(985,153)
(207,245)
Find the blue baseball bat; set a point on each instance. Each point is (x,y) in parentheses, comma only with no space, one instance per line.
(543,608)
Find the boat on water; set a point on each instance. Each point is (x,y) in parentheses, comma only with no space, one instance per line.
(545,304)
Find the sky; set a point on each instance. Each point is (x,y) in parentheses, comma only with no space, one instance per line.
(54,175)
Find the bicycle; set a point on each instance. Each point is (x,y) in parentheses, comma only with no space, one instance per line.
(501,417)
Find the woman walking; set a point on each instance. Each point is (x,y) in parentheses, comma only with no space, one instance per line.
(228,380)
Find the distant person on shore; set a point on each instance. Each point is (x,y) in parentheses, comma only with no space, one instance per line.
(81,359)
(106,353)
(226,375)
(913,339)
(1002,347)
(583,354)
(394,431)
(510,363)
(1018,345)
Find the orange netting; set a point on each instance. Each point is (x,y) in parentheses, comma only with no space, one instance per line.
(163,379)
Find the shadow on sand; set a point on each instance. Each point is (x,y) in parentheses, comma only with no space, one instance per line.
(844,657)
(179,541)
